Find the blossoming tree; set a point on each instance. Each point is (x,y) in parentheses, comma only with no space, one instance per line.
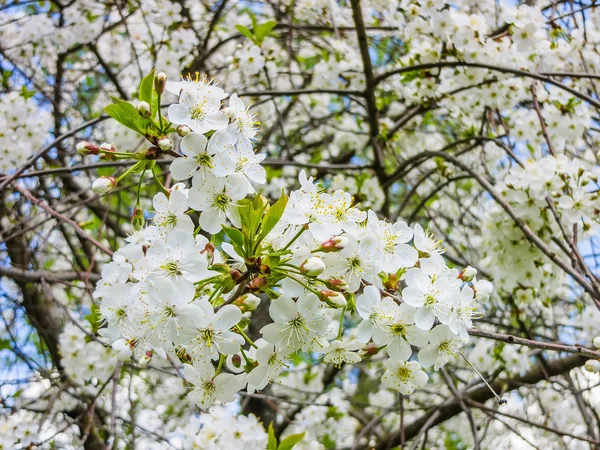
(312,225)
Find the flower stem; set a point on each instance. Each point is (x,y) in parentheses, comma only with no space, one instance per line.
(311,289)
(221,361)
(245,336)
(341,329)
(128,171)
(298,234)
(162,187)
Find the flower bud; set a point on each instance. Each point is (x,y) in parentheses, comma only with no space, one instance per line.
(144,109)
(145,360)
(592,365)
(183,130)
(334,244)
(236,361)
(108,147)
(596,342)
(151,153)
(333,299)
(209,249)
(160,81)
(236,275)
(247,302)
(85,148)
(337,283)
(104,185)
(165,144)
(483,290)
(468,274)
(313,266)
(137,219)
(258,283)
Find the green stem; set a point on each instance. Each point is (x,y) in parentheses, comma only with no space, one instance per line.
(245,336)
(288,269)
(341,329)
(121,154)
(314,291)
(128,171)
(162,187)
(159,112)
(221,361)
(298,234)
(245,357)
(215,295)
(139,191)
(206,281)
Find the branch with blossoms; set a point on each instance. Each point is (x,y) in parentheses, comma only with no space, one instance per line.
(313,289)
(185,290)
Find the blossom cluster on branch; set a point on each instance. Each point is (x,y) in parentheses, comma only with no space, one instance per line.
(189,291)
(175,274)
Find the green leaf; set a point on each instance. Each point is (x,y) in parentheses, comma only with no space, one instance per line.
(410,76)
(125,113)
(94,317)
(147,88)
(328,442)
(272,443)
(237,239)
(262,31)
(5,344)
(246,32)
(289,442)
(26,93)
(273,215)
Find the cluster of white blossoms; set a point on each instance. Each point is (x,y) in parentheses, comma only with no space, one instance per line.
(85,360)
(319,260)
(18,431)
(24,126)
(218,428)
(554,196)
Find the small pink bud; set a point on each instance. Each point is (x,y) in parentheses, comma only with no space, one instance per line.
(85,148)
(333,299)
(334,244)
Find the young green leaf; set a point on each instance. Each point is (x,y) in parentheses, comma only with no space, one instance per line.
(272,443)
(94,317)
(273,215)
(147,88)
(262,31)
(125,113)
(245,32)
(237,239)
(290,441)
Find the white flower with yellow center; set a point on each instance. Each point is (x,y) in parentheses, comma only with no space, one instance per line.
(170,212)
(216,198)
(443,346)
(199,106)
(403,376)
(208,388)
(210,331)
(375,312)
(297,325)
(340,352)
(197,159)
